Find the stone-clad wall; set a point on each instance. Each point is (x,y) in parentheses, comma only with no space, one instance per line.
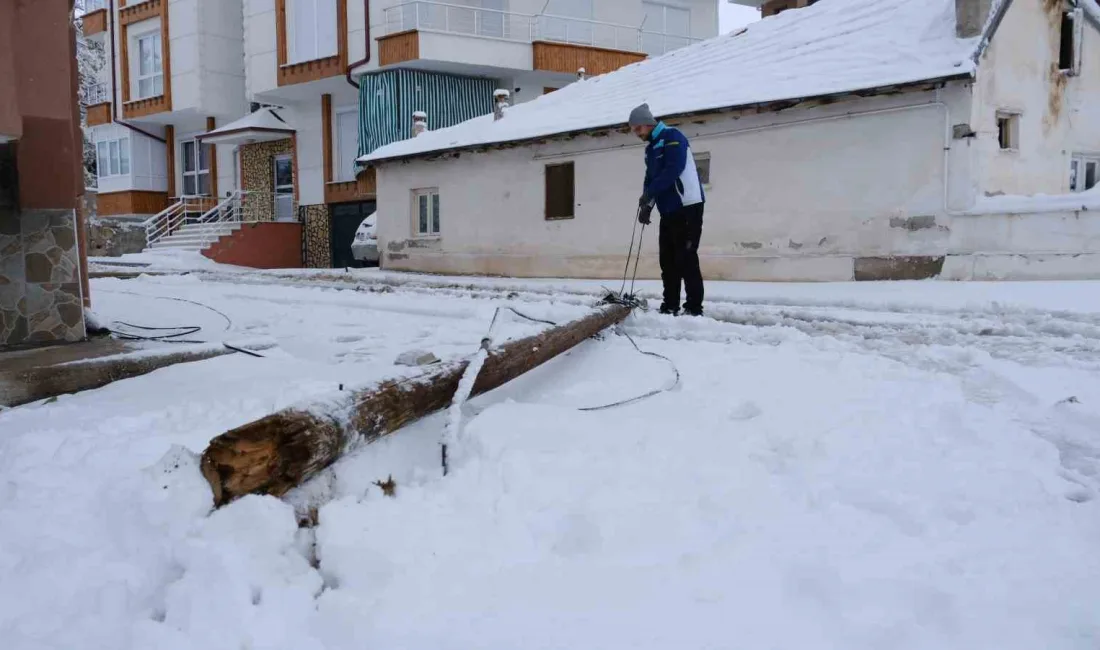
(258,176)
(39,277)
(318,238)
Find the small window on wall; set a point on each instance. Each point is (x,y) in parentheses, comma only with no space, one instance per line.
(1008,130)
(426,213)
(702,165)
(559,191)
(1069,49)
(113,158)
(1084,172)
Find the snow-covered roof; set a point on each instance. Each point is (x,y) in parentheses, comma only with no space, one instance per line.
(834,46)
(260,126)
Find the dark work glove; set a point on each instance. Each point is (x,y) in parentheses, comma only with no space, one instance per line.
(645,208)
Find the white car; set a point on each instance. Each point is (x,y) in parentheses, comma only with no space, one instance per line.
(365,246)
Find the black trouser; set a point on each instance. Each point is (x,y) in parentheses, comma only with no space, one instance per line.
(679,244)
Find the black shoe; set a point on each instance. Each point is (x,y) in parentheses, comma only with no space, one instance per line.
(665,309)
(693,311)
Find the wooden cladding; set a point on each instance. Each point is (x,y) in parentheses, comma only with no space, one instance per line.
(95,22)
(306,71)
(398,48)
(326,139)
(211,123)
(130,202)
(143,107)
(132,14)
(562,57)
(142,11)
(99,114)
(363,188)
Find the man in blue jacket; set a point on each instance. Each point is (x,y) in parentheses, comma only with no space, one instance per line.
(672,184)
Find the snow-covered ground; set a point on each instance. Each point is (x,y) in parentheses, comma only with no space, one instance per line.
(908,465)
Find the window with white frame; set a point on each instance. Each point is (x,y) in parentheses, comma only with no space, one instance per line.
(113,157)
(1084,172)
(426,212)
(150,67)
(346,125)
(311,29)
(666,27)
(195,166)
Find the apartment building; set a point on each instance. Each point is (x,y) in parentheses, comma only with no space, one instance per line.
(272,101)
(175,70)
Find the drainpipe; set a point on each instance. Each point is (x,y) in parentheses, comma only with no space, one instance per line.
(366,58)
(115,105)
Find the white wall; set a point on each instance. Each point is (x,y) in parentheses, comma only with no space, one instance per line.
(1059,114)
(792,196)
(221,49)
(261,58)
(305,117)
(183,35)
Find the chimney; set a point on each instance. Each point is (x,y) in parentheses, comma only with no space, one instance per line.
(500,102)
(582,74)
(420,123)
(971,16)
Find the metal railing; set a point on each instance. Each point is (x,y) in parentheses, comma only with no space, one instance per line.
(656,44)
(206,217)
(426,15)
(98,94)
(458,19)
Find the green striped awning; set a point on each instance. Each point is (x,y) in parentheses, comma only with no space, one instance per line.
(388,99)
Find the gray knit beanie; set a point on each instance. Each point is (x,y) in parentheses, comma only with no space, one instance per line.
(641,116)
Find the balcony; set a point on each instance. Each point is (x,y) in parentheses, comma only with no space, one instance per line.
(95,17)
(435,31)
(98,104)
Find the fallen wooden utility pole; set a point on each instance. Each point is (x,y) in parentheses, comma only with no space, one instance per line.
(280,451)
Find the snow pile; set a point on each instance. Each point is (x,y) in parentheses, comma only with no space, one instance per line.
(1019,204)
(831,47)
(903,465)
(807,498)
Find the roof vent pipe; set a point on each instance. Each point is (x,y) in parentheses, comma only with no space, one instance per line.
(500,102)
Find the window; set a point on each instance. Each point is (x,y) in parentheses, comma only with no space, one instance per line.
(195,163)
(664,28)
(702,165)
(347,143)
(1084,172)
(1069,49)
(1008,130)
(113,158)
(150,76)
(559,191)
(426,207)
(311,29)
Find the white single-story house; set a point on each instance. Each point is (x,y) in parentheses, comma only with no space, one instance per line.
(850,139)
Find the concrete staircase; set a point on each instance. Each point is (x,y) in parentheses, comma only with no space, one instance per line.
(195,236)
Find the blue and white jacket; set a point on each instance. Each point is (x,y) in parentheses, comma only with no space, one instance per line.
(670,174)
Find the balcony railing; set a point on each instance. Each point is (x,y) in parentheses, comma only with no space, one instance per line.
(510,26)
(97,94)
(656,44)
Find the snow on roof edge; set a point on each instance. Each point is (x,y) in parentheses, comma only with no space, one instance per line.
(375,157)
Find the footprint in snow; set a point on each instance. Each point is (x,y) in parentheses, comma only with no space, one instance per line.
(746,410)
